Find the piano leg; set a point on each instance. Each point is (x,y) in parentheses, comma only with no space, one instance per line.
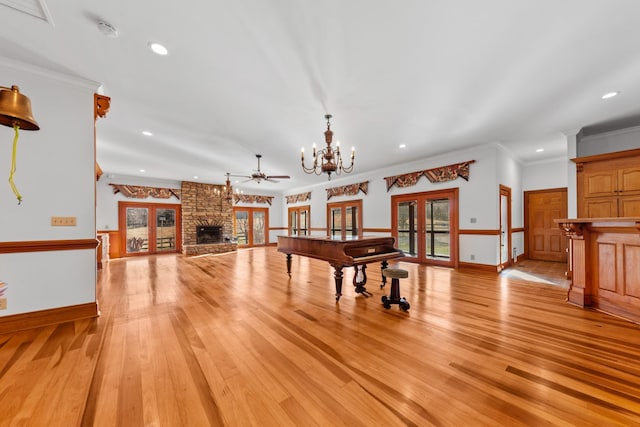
(338,277)
(384,265)
(360,279)
(289,264)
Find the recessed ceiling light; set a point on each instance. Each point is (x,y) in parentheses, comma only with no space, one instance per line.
(158,48)
(142,170)
(610,95)
(402,146)
(147,133)
(539,150)
(195,176)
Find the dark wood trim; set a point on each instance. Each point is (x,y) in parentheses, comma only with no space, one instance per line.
(277,228)
(36,319)
(480,232)
(482,267)
(376,230)
(517,230)
(47,245)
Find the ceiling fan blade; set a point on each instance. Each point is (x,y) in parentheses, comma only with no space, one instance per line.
(279,176)
(240,176)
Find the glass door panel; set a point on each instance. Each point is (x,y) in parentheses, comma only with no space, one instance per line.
(351,221)
(408,228)
(137,234)
(241,227)
(441,229)
(336,221)
(293,223)
(258,228)
(304,223)
(165,229)
(437,228)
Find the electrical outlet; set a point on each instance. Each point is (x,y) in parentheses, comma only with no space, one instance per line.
(63,221)
(3,303)
(473,257)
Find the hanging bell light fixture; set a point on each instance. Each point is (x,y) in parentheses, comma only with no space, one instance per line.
(15,112)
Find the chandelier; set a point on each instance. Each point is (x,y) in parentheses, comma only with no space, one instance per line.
(328,160)
(228,192)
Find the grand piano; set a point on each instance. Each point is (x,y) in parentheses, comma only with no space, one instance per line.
(342,252)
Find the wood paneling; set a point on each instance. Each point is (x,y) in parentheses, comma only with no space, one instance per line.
(230,340)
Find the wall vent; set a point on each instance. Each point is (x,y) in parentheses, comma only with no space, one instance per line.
(35,8)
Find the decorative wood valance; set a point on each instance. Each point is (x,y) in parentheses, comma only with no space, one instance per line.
(348,190)
(252,198)
(302,197)
(441,174)
(139,192)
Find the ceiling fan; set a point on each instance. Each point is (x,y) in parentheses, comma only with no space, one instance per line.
(259,176)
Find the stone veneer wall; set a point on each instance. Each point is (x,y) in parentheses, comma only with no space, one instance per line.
(203,204)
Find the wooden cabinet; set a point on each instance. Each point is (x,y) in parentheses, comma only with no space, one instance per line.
(609,185)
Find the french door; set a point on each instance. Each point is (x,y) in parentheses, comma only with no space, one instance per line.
(250,226)
(425,226)
(299,221)
(344,219)
(149,228)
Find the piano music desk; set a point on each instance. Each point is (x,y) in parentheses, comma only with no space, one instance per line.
(340,253)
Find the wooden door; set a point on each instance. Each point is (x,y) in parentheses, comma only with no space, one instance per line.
(544,238)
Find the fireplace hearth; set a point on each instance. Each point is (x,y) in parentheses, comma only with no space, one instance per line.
(206,234)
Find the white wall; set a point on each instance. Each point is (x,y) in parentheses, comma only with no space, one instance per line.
(544,175)
(55,174)
(609,142)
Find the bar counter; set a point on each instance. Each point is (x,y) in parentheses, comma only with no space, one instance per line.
(605,264)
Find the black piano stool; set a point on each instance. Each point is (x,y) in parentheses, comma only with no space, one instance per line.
(395,274)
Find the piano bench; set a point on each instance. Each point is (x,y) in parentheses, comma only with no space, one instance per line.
(395,274)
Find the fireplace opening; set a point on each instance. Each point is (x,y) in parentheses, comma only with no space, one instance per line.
(208,234)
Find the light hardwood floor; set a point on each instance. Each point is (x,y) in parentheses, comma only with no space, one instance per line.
(231,340)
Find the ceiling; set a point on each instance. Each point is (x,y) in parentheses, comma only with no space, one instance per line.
(248,77)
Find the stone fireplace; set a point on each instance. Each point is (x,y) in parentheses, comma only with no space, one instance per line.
(207,219)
